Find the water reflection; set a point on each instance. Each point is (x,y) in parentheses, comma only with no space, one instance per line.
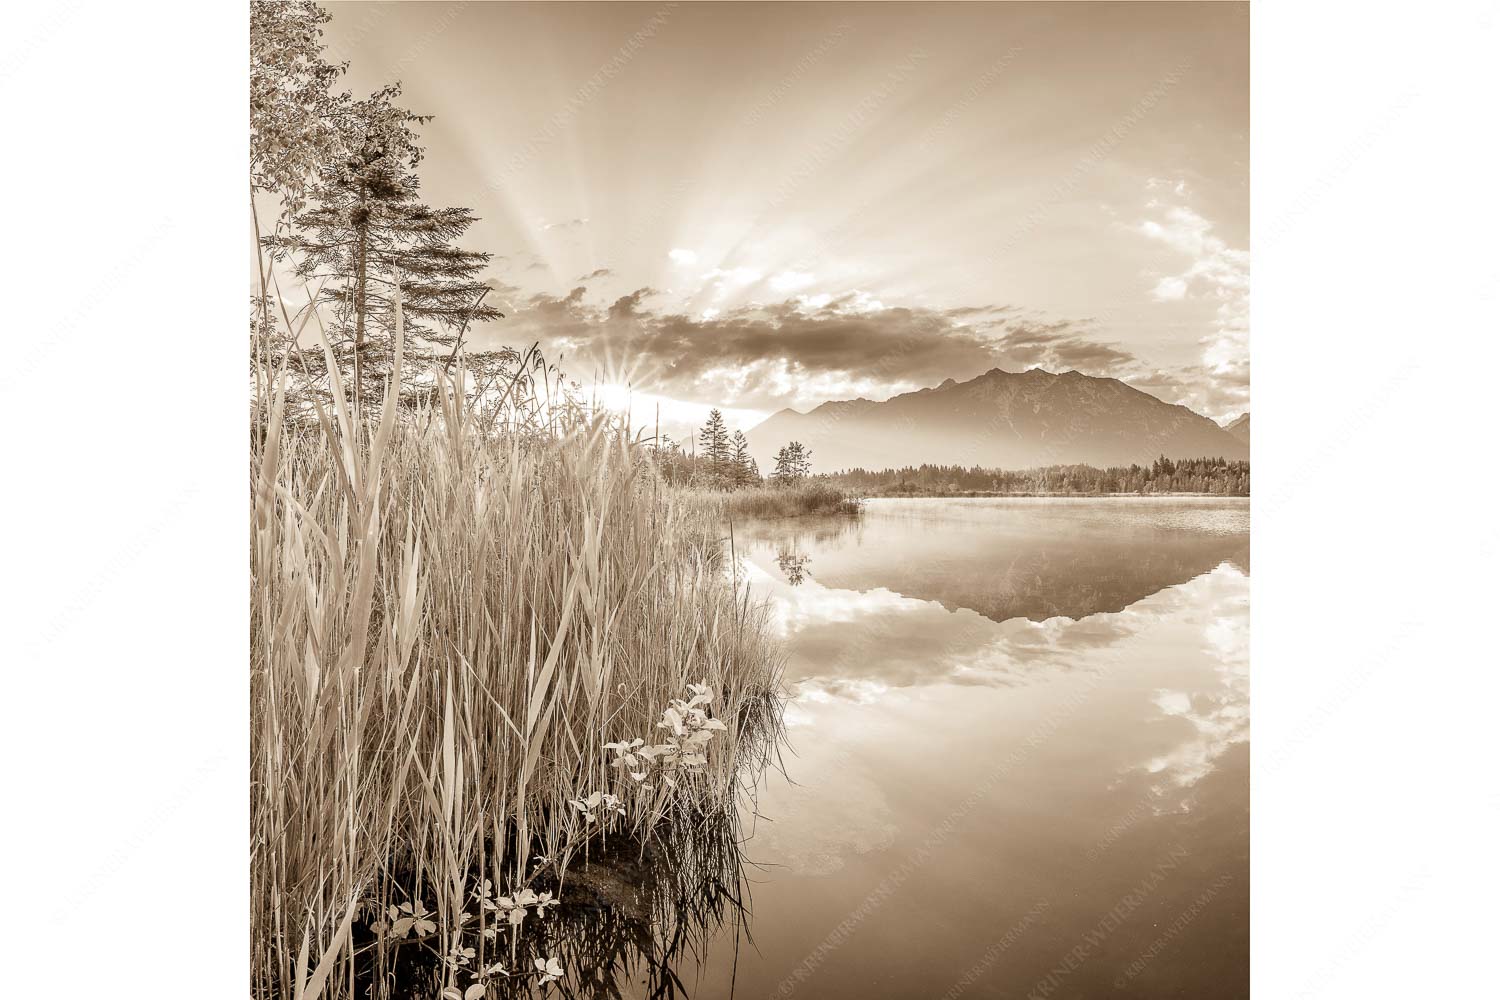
(633,921)
(1007,718)
(793,566)
(1217,714)
(1029,558)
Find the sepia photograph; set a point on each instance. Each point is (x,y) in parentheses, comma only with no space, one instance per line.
(690,500)
(752,502)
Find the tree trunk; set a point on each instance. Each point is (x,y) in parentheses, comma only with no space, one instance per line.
(359,313)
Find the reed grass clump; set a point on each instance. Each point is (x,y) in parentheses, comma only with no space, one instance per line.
(451,617)
(769,500)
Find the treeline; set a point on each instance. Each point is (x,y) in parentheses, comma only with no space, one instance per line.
(1216,476)
(722,461)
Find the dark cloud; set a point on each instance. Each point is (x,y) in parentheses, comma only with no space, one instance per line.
(602,272)
(789,353)
(1057,347)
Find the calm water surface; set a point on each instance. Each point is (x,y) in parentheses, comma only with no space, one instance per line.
(1020,754)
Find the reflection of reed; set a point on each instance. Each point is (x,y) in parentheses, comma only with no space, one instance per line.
(630,913)
(694,886)
(630,917)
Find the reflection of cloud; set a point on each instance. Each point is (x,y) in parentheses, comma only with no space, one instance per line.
(856,645)
(1218,717)
(831,812)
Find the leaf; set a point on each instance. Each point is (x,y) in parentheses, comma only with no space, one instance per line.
(674,717)
(473,992)
(402,926)
(451,993)
(715,724)
(313,987)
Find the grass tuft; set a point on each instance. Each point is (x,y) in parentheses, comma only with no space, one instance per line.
(811,496)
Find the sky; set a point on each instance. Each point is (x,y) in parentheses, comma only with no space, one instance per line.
(762,206)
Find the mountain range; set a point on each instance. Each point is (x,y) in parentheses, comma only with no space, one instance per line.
(1001,419)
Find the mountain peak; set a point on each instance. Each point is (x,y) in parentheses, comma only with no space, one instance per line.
(1014,421)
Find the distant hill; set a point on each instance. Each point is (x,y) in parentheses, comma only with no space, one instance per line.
(1000,419)
(1240,427)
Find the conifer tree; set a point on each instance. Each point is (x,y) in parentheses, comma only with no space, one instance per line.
(365,230)
(742,466)
(716,450)
(793,463)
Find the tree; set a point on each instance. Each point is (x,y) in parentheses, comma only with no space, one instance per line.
(292,108)
(742,467)
(793,463)
(715,441)
(292,131)
(366,230)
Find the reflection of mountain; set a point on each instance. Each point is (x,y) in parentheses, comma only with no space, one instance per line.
(981,592)
(1035,562)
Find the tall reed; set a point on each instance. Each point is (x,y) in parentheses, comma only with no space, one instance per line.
(450,617)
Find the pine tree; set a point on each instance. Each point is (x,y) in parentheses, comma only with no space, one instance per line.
(742,466)
(793,463)
(366,229)
(716,451)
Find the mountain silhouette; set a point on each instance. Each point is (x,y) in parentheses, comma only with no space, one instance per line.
(1006,420)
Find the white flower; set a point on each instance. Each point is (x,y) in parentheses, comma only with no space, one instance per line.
(550,969)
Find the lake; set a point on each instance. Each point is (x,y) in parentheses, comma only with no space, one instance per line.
(1018,754)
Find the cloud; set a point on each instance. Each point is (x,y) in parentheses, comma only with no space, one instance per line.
(1215,273)
(682,257)
(570,224)
(602,272)
(798,352)
(1169,289)
(792,281)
